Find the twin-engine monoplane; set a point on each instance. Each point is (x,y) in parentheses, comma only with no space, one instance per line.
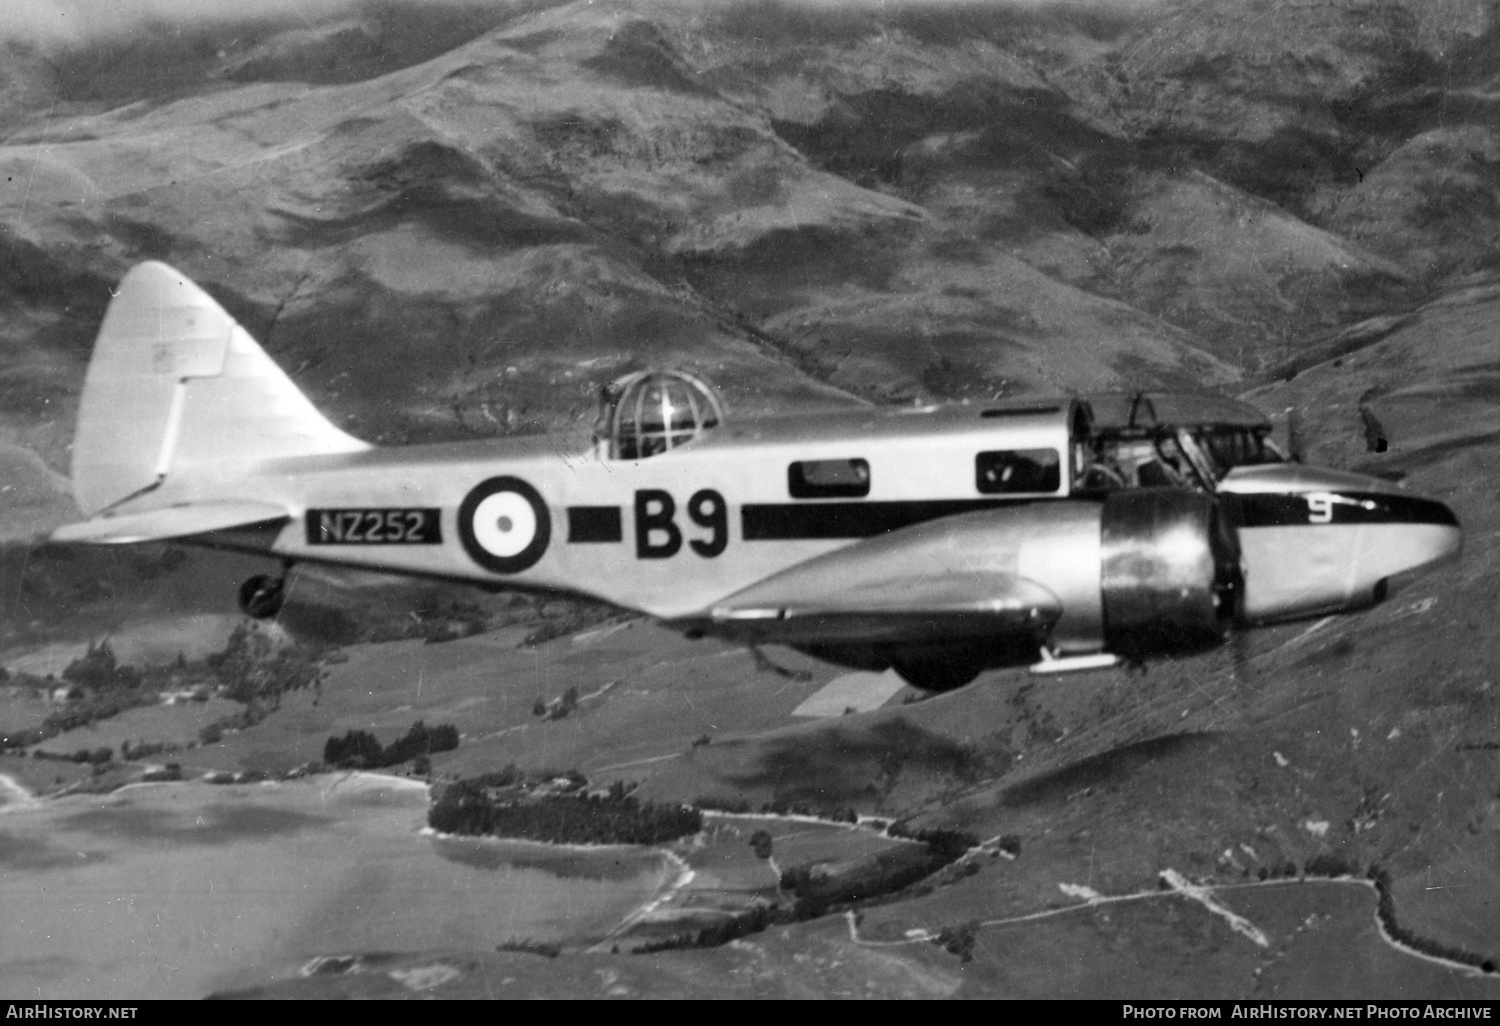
(938,541)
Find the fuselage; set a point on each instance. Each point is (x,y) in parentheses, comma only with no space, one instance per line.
(680,532)
(936,541)
(669,534)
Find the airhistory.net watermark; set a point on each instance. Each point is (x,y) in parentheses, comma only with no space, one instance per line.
(1309,1010)
(67,1010)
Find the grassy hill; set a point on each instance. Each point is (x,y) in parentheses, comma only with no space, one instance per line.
(455,220)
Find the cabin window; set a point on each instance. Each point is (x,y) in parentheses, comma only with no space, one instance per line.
(829,479)
(1018,470)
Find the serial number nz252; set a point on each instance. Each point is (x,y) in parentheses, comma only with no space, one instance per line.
(374,527)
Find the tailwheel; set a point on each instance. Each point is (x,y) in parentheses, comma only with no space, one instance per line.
(262,595)
(936,674)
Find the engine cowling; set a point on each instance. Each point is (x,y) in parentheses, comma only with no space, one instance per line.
(1170,576)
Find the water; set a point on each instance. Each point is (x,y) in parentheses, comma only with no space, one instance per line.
(182,889)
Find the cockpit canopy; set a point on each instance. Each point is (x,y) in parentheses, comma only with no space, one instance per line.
(1172,439)
(648,412)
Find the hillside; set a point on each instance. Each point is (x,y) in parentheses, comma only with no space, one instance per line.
(461,219)
(513,203)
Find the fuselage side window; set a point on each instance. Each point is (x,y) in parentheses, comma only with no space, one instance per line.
(1017,471)
(829,479)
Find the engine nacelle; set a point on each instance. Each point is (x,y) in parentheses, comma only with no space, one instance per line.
(1143,572)
(1169,576)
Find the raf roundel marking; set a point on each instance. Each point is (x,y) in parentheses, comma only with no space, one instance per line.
(504,525)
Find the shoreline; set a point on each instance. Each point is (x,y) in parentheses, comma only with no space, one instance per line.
(670,886)
(365,777)
(580,848)
(14,796)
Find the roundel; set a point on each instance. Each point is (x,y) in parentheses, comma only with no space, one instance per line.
(504,525)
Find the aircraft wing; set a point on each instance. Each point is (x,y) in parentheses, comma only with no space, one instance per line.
(927,583)
(168,522)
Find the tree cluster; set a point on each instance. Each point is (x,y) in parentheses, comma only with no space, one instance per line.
(434,620)
(252,668)
(753,920)
(472,807)
(819,887)
(945,844)
(562,617)
(23,738)
(959,940)
(102,688)
(531,947)
(89,706)
(1330,865)
(832,813)
(358,749)
(99,670)
(144,750)
(94,756)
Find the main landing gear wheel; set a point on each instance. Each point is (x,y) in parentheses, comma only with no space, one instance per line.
(936,674)
(262,595)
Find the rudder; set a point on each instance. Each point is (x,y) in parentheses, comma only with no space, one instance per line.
(174,381)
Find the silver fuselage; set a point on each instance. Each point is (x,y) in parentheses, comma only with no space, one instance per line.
(678,534)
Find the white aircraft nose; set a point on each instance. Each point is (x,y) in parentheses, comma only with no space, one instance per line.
(1433,544)
(1325,550)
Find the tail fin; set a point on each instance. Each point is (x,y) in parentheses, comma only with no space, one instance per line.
(175,382)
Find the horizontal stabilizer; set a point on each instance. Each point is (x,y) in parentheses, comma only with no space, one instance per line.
(170,522)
